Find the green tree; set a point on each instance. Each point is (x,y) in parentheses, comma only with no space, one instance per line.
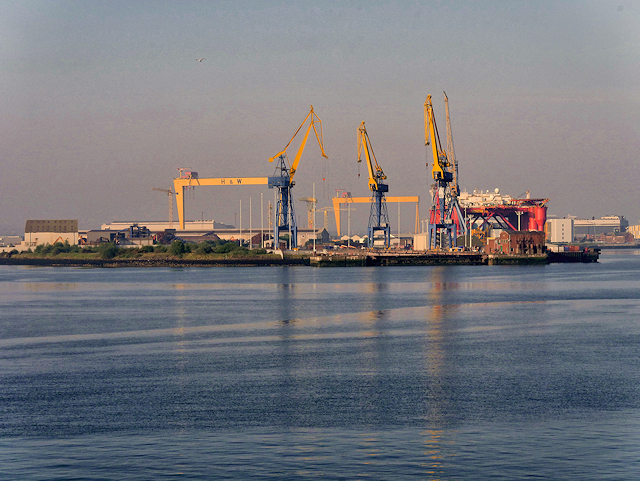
(177,248)
(108,250)
(204,248)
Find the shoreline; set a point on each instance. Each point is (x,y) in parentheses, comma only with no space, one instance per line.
(142,262)
(358,259)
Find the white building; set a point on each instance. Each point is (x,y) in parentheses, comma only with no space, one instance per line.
(48,231)
(559,230)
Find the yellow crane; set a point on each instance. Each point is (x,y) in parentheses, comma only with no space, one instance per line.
(169,193)
(440,169)
(378,216)
(283,154)
(285,220)
(311,202)
(325,211)
(285,216)
(445,218)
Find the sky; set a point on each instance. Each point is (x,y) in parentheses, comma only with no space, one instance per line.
(103,101)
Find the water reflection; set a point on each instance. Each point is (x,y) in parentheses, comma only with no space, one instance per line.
(180,377)
(286,292)
(437,392)
(50,286)
(434,453)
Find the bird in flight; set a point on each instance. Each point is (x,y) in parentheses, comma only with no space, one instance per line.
(200,59)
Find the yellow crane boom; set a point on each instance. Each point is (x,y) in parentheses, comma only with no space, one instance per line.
(314,119)
(378,215)
(439,171)
(376,175)
(283,181)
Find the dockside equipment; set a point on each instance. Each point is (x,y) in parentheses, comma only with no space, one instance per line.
(285,219)
(445,218)
(378,216)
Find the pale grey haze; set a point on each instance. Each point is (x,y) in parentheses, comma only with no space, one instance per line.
(101,101)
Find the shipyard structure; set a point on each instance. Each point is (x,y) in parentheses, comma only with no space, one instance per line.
(458,220)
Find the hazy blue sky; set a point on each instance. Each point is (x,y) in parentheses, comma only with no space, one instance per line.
(101,101)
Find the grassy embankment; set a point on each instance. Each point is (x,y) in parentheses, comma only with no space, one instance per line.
(177,251)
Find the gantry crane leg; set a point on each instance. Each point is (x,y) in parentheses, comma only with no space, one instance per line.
(285,218)
(378,219)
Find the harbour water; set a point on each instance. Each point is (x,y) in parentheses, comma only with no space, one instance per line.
(457,372)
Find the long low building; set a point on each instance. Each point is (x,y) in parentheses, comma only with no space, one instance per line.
(159,226)
(206,229)
(50,231)
(609,224)
(45,231)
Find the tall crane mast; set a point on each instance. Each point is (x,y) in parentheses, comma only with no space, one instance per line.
(169,193)
(455,188)
(445,217)
(311,203)
(285,219)
(378,216)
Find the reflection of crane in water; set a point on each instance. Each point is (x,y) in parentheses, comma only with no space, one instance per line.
(436,316)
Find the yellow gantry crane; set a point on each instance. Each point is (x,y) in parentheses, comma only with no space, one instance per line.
(285,216)
(188,178)
(378,216)
(338,201)
(282,180)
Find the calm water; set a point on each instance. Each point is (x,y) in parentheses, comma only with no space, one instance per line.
(379,373)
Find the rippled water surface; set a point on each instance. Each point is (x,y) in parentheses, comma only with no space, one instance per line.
(478,372)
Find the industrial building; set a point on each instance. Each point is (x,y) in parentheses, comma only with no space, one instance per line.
(634,230)
(159,226)
(131,236)
(516,242)
(592,228)
(559,230)
(50,231)
(10,240)
(198,231)
(42,232)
